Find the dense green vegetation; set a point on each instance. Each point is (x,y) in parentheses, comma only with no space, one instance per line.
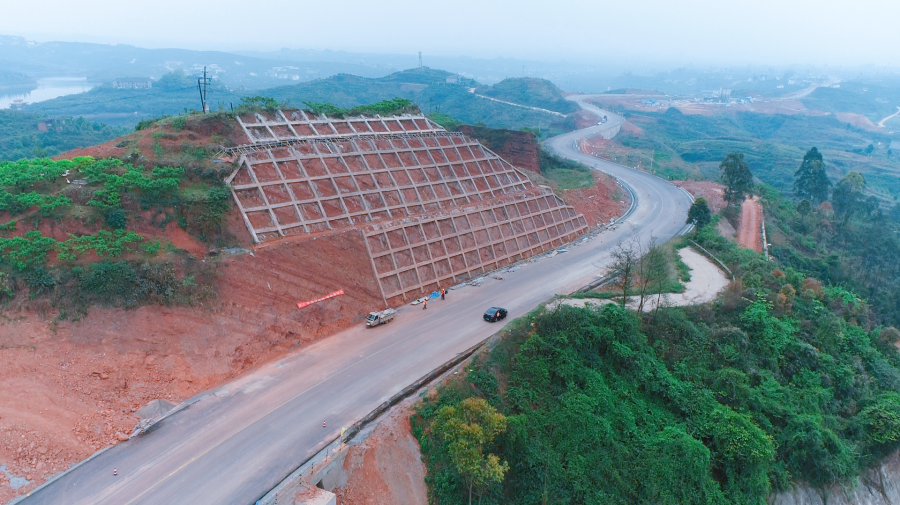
(26,135)
(770,144)
(112,264)
(781,380)
(532,92)
(851,243)
(392,107)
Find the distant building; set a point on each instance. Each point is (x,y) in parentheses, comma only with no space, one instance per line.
(452,79)
(133,83)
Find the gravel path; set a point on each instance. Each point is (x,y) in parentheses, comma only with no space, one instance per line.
(707,281)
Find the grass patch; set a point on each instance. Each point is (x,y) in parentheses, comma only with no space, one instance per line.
(569,179)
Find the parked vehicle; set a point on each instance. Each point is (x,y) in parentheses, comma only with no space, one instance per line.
(376,318)
(494,314)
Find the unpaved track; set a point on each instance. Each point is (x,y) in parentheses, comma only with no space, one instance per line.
(751,217)
(237,442)
(881,123)
(707,281)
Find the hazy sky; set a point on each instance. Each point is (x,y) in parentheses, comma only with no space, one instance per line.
(832,32)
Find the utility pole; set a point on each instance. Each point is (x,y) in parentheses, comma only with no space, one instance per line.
(202,82)
(420,59)
(652,155)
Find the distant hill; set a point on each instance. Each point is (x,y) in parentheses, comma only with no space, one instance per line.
(26,135)
(532,92)
(428,88)
(172,94)
(15,80)
(101,63)
(869,99)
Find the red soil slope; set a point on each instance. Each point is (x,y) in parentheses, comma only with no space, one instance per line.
(712,191)
(70,388)
(387,468)
(600,202)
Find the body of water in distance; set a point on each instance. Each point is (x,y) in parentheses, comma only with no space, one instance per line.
(48,88)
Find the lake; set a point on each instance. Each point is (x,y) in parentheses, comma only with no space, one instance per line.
(49,88)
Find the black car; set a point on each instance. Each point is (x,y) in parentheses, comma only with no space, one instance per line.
(494,314)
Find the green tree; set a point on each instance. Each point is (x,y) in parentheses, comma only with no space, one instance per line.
(810,181)
(699,215)
(737,178)
(467,428)
(849,199)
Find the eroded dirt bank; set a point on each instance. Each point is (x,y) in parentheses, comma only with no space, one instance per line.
(386,468)
(71,387)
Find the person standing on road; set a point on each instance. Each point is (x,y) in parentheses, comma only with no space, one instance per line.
(443,292)
(425,304)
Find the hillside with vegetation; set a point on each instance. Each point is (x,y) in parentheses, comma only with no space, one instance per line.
(530,91)
(684,145)
(176,93)
(88,230)
(782,380)
(428,89)
(25,135)
(15,81)
(875,99)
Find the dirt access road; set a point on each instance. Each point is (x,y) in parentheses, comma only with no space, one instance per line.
(235,443)
(749,233)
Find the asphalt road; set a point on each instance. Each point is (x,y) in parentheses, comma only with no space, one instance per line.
(238,441)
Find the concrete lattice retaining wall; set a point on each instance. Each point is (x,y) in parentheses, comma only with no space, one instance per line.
(436,207)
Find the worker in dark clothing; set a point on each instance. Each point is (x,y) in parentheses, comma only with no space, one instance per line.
(443,292)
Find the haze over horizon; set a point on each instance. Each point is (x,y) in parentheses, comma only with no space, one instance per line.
(645,32)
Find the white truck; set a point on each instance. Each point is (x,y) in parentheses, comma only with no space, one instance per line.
(376,318)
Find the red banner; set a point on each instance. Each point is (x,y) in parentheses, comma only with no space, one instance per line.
(317,300)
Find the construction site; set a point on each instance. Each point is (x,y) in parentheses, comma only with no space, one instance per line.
(386,209)
(434,208)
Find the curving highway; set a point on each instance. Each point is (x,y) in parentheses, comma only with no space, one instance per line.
(235,443)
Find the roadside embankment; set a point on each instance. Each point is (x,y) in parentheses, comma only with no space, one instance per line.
(69,388)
